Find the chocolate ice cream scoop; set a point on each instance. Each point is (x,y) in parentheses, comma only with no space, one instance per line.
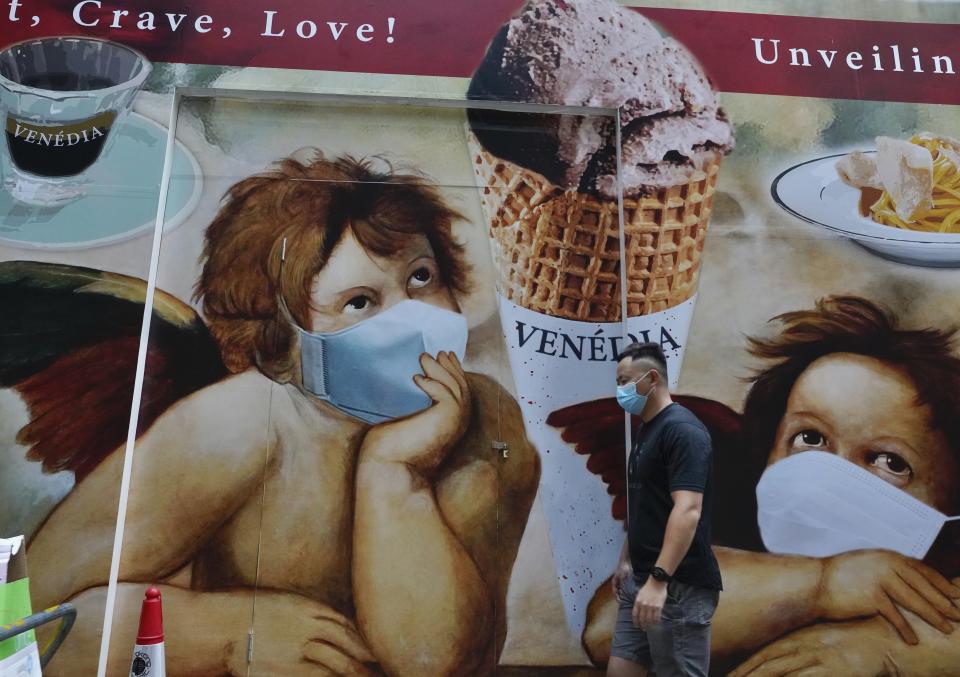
(595,53)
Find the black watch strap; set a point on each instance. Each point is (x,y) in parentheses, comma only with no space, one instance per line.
(659,574)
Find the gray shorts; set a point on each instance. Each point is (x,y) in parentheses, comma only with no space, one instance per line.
(679,645)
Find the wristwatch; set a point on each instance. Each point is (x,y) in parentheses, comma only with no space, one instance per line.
(658,574)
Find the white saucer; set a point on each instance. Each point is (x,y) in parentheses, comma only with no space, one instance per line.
(122,199)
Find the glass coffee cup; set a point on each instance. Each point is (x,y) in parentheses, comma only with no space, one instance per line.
(62,101)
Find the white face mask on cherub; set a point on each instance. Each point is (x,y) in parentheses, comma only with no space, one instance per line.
(817,504)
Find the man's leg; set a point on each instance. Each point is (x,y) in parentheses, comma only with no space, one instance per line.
(630,649)
(680,643)
(621,667)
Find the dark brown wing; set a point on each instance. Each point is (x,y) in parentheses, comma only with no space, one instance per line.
(595,429)
(734,521)
(69,339)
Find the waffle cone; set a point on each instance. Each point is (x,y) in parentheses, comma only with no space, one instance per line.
(558,252)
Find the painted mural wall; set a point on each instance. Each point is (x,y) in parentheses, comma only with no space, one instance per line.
(336,373)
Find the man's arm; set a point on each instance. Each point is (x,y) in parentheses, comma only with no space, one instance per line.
(688,457)
(681,527)
(624,568)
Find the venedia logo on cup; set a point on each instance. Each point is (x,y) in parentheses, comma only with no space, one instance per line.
(63,99)
(57,150)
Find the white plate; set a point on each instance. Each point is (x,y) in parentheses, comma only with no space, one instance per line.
(814,192)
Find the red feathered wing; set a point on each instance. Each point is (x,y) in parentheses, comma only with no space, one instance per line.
(595,429)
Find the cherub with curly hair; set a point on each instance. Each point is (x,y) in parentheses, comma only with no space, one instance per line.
(844,379)
(318,456)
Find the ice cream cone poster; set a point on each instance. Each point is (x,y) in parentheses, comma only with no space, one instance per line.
(371,428)
(552,192)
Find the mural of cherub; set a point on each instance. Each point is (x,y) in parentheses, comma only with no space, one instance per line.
(805,592)
(314,442)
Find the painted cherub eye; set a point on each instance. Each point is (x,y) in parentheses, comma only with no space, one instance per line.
(421,277)
(892,464)
(357,303)
(809,439)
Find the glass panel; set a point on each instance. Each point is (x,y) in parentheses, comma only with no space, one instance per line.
(326,487)
(193,514)
(77,206)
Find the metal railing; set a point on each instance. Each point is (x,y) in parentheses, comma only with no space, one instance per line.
(66,613)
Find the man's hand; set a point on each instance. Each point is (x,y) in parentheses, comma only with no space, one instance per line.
(299,637)
(868,582)
(423,439)
(624,570)
(649,604)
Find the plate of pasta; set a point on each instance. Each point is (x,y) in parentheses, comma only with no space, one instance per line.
(900,200)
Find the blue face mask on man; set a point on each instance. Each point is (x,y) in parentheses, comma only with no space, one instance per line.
(367,370)
(632,401)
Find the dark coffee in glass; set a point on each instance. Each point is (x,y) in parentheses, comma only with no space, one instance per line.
(61,99)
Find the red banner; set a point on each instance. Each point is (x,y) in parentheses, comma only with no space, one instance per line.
(831,58)
(753,53)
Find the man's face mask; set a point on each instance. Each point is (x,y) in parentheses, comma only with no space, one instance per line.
(819,505)
(630,400)
(367,370)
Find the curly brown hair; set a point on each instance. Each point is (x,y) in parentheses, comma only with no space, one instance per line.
(310,206)
(849,324)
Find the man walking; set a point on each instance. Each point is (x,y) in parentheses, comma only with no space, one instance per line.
(668,582)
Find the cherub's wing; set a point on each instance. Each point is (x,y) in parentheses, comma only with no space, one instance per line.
(734,522)
(69,339)
(596,430)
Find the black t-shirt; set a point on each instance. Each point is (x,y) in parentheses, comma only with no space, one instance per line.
(671,452)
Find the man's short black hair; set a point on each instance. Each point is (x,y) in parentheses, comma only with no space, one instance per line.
(651,352)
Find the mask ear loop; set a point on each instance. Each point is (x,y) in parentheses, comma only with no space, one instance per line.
(283,313)
(281,303)
(653,385)
(283,310)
